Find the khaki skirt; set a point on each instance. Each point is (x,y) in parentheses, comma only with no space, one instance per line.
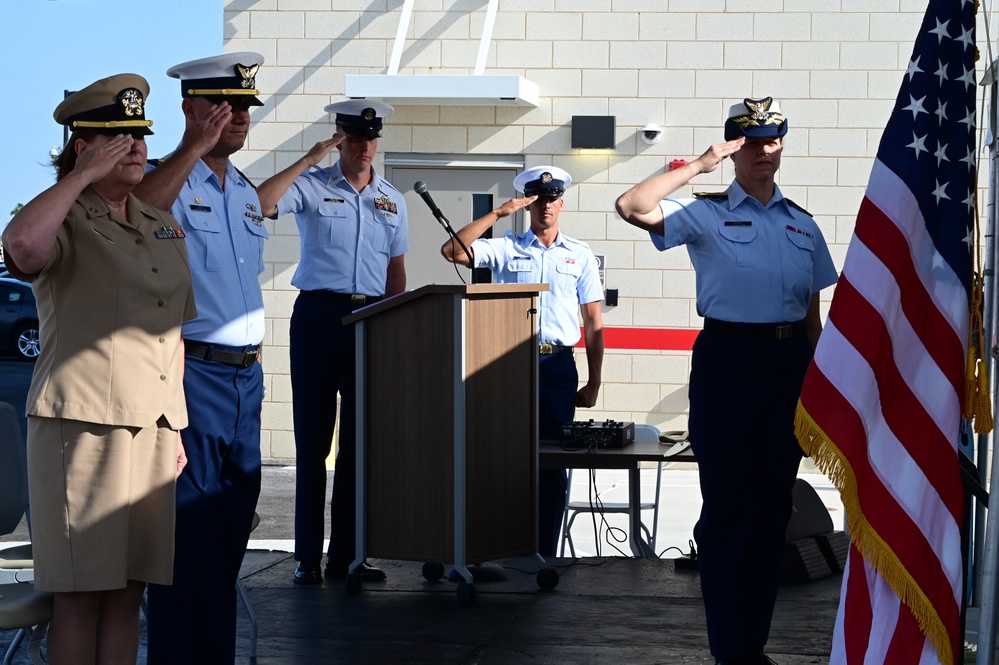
(102,502)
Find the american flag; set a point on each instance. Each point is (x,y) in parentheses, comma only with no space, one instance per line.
(880,407)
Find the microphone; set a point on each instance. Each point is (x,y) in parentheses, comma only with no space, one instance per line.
(420,188)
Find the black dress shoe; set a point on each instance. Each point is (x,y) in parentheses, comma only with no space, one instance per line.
(339,569)
(308,573)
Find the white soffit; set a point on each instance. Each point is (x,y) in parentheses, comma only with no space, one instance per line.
(444,90)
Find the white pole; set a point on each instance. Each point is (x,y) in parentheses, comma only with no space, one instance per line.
(987,617)
(400,37)
(487,37)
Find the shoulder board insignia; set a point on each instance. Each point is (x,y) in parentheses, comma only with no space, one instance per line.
(711,195)
(155,162)
(797,207)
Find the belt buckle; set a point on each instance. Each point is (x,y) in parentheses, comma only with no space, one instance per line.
(357,299)
(249,358)
(784,332)
(546,349)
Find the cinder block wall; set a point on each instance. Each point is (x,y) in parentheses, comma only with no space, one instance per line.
(835,65)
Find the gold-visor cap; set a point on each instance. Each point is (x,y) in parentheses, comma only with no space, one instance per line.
(112,105)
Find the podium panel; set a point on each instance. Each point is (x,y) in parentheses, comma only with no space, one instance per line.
(447,424)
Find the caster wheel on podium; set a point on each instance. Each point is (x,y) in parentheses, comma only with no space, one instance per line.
(433,571)
(547,579)
(466,594)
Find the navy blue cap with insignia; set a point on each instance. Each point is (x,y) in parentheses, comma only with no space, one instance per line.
(230,77)
(360,117)
(543,181)
(112,105)
(755,118)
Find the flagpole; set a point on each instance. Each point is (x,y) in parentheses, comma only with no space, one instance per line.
(987,616)
(989,322)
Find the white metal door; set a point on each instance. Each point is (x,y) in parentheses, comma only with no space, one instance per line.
(463,191)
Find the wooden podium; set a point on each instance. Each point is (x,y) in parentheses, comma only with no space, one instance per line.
(447,426)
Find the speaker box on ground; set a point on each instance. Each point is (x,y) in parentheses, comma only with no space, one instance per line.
(834,545)
(809,515)
(804,562)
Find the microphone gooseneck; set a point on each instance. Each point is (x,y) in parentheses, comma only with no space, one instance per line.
(420,188)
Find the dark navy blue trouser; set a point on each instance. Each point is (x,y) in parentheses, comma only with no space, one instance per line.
(194,620)
(558,382)
(322,365)
(743,393)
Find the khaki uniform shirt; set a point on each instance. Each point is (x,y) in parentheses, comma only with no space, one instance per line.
(111,300)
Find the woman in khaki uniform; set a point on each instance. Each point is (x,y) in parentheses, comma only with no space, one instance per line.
(106,403)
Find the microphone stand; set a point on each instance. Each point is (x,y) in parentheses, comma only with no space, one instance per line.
(454,238)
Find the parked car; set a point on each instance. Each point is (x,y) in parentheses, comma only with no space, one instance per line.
(18,319)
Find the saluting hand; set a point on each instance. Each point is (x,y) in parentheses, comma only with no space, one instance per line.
(95,162)
(513,205)
(202,131)
(717,153)
(319,151)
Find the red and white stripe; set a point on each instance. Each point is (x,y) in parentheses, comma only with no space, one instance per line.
(884,389)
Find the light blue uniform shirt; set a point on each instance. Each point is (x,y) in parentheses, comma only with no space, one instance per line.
(753,263)
(225,245)
(568,267)
(348,237)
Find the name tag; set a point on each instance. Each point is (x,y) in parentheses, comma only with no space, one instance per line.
(521,264)
(738,223)
(327,200)
(197,208)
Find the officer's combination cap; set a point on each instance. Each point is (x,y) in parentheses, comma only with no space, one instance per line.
(755,118)
(543,181)
(113,105)
(360,117)
(230,77)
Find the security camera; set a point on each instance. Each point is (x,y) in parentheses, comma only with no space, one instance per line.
(651,133)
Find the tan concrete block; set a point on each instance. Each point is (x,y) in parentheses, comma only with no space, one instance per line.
(235,25)
(282,444)
(629,396)
(667,26)
(277,25)
(840,85)
(663,313)
(333,25)
(277,416)
(669,369)
(872,56)
(569,55)
(840,27)
(615,26)
(610,83)
(696,56)
(727,27)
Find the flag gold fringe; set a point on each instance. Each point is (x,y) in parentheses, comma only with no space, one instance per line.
(970,384)
(983,401)
(831,461)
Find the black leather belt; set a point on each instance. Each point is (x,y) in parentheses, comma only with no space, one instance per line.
(552,349)
(355,299)
(765,330)
(220,354)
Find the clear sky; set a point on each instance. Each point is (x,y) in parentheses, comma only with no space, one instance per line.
(54,45)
